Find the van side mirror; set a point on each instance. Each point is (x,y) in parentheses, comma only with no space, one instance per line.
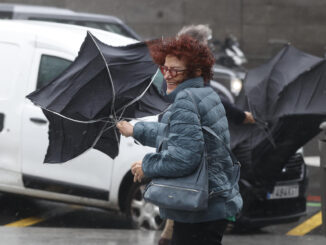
(2,117)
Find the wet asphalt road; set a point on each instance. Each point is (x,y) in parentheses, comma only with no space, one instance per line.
(68,236)
(71,223)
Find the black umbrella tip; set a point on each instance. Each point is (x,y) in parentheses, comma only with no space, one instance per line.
(89,33)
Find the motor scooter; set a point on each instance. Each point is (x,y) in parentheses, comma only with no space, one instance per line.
(228,52)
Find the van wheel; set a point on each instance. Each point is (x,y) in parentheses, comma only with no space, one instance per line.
(142,214)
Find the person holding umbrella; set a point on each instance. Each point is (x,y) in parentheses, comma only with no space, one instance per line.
(186,65)
(203,34)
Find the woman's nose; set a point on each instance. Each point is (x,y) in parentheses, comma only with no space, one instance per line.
(167,75)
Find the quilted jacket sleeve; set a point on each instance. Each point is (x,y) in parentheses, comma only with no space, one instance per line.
(146,133)
(185,143)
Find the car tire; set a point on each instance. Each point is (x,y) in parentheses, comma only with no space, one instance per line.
(142,215)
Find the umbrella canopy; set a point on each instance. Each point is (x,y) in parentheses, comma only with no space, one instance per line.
(287,96)
(265,85)
(102,86)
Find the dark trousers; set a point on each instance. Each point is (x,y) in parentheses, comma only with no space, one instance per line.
(206,233)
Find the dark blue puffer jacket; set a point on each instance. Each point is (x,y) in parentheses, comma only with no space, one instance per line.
(185,145)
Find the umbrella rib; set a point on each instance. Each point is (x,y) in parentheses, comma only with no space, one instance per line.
(103,119)
(274,67)
(267,87)
(109,73)
(268,134)
(137,98)
(113,91)
(100,135)
(314,91)
(91,121)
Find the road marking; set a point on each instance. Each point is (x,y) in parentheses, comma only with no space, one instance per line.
(47,215)
(314,198)
(306,226)
(25,222)
(314,204)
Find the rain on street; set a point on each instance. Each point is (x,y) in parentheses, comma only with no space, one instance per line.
(27,213)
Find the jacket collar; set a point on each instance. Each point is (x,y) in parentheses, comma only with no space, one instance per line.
(196,82)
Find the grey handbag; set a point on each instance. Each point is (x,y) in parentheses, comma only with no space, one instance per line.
(187,193)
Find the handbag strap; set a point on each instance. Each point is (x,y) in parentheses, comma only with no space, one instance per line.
(209,130)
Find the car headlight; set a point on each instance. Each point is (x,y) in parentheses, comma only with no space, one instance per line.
(236,86)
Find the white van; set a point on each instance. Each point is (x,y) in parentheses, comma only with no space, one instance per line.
(66,16)
(31,55)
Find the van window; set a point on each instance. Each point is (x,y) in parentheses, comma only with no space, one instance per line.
(50,68)
(9,68)
(111,27)
(5,15)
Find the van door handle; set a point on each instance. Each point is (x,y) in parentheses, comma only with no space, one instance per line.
(38,120)
(2,117)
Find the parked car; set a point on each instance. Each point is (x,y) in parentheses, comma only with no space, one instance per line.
(67,16)
(283,202)
(230,80)
(32,54)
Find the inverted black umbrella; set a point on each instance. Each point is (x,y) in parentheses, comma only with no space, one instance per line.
(287,96)
(267,84)
(102,86)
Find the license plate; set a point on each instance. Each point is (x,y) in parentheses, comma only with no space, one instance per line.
(284,191)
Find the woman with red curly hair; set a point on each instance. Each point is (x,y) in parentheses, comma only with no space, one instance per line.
(186,65)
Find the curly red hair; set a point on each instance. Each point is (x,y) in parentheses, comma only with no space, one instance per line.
(193,53)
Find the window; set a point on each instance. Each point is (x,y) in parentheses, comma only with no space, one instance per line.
(111,27)
(50,68)
(5,15)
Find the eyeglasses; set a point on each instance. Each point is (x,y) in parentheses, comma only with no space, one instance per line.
(173,71)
